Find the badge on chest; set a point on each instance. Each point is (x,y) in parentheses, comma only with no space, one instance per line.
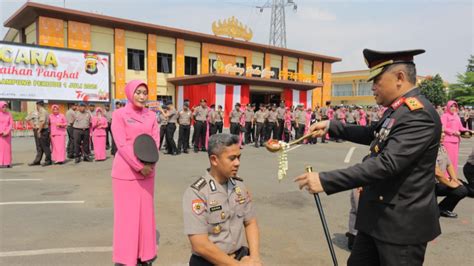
(382,135)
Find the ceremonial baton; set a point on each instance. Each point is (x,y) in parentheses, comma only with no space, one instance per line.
(309,169)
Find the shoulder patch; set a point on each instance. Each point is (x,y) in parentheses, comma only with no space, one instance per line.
(413,103)
(238,178)
(199,184)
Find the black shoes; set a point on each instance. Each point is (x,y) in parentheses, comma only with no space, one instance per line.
(186,151)
(34,164)
(47,163)
(448,214)
(87,159)
(77,160)
(5,166)
(350,240)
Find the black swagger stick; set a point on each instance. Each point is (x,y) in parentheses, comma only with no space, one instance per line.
(309,169)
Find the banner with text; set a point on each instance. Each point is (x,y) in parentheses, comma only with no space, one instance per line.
(43,73)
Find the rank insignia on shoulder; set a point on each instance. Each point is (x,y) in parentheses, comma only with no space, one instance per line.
(212,185)
(413,103)
(199,184)
(198,206)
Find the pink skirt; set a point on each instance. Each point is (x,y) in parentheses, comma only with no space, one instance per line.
(134,221)
(6,150)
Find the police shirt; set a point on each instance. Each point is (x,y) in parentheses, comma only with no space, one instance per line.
(442,161)
(83,120)
(184,118)
(235,116)
(249,115)
(43,118)
(272,116)
(260,116)
(218,211)
(301,117)
(163,119)
(200,113)
(172,116)
(281,113)
(33,118)
(70,116)
(218,116)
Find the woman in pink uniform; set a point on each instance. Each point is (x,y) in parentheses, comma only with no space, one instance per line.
(133,181)
(452,127)
(363,117)
(99,126)
(6,125)
(58,124)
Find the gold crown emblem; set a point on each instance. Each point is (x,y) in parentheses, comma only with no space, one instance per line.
(233,28)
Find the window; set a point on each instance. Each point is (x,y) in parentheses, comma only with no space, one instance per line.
(212,69)
(165,63)
(277,72)
(190,65)
(365,89)
(342,90)
(136,59)
(292,77)
(164,99)
(256,67)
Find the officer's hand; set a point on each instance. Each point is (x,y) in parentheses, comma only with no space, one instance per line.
(457,133)
(319,128)
(310,181)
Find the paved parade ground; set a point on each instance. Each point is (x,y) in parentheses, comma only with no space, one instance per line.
(63,214)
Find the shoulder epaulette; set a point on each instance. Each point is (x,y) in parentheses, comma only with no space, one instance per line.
(238,178)
(199,184)
(413,103)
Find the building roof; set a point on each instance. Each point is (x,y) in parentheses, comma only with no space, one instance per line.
(30,11)
(230,79)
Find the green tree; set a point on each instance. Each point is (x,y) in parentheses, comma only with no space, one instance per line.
(463,91)
(434,90)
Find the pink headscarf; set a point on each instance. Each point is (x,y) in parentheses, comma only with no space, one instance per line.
(449,105)
(3,103)
(97,110)
(55,106)
(130,90)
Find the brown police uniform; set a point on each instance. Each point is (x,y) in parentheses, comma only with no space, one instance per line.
(200,127)
(184,121)
(218,211)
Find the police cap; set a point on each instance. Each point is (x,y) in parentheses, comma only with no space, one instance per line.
(377,61)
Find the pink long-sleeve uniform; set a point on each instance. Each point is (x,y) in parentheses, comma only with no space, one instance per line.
(58,125)
(452,124)
(6,125)
(99,125)
(134,216)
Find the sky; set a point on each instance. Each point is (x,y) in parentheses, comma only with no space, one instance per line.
(340,28)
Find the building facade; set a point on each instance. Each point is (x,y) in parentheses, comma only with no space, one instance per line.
(179,64)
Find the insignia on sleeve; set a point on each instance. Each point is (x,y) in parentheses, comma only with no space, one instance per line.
(413,103)
(199,184)
(198,206)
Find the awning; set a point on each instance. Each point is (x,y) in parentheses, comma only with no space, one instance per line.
(231,79)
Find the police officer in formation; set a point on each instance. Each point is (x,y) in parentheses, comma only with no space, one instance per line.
(219,218)
(70,117)
(272,123)
(81,134)
(235,120)
(200,115)
(163,122)
(281,110)
(184,121)
(260,118)
(398,212)
(219,118)
(300,121)
(212,120)
(42,137)
(249,120)
(172,116)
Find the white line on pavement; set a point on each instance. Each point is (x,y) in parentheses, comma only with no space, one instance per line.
(24,179)
(40,202)
(294,148)
(349,155)
(54,251)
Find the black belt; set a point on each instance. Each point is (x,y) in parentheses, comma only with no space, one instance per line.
(237,255)
(200,121)
(83,129)
(171,123)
